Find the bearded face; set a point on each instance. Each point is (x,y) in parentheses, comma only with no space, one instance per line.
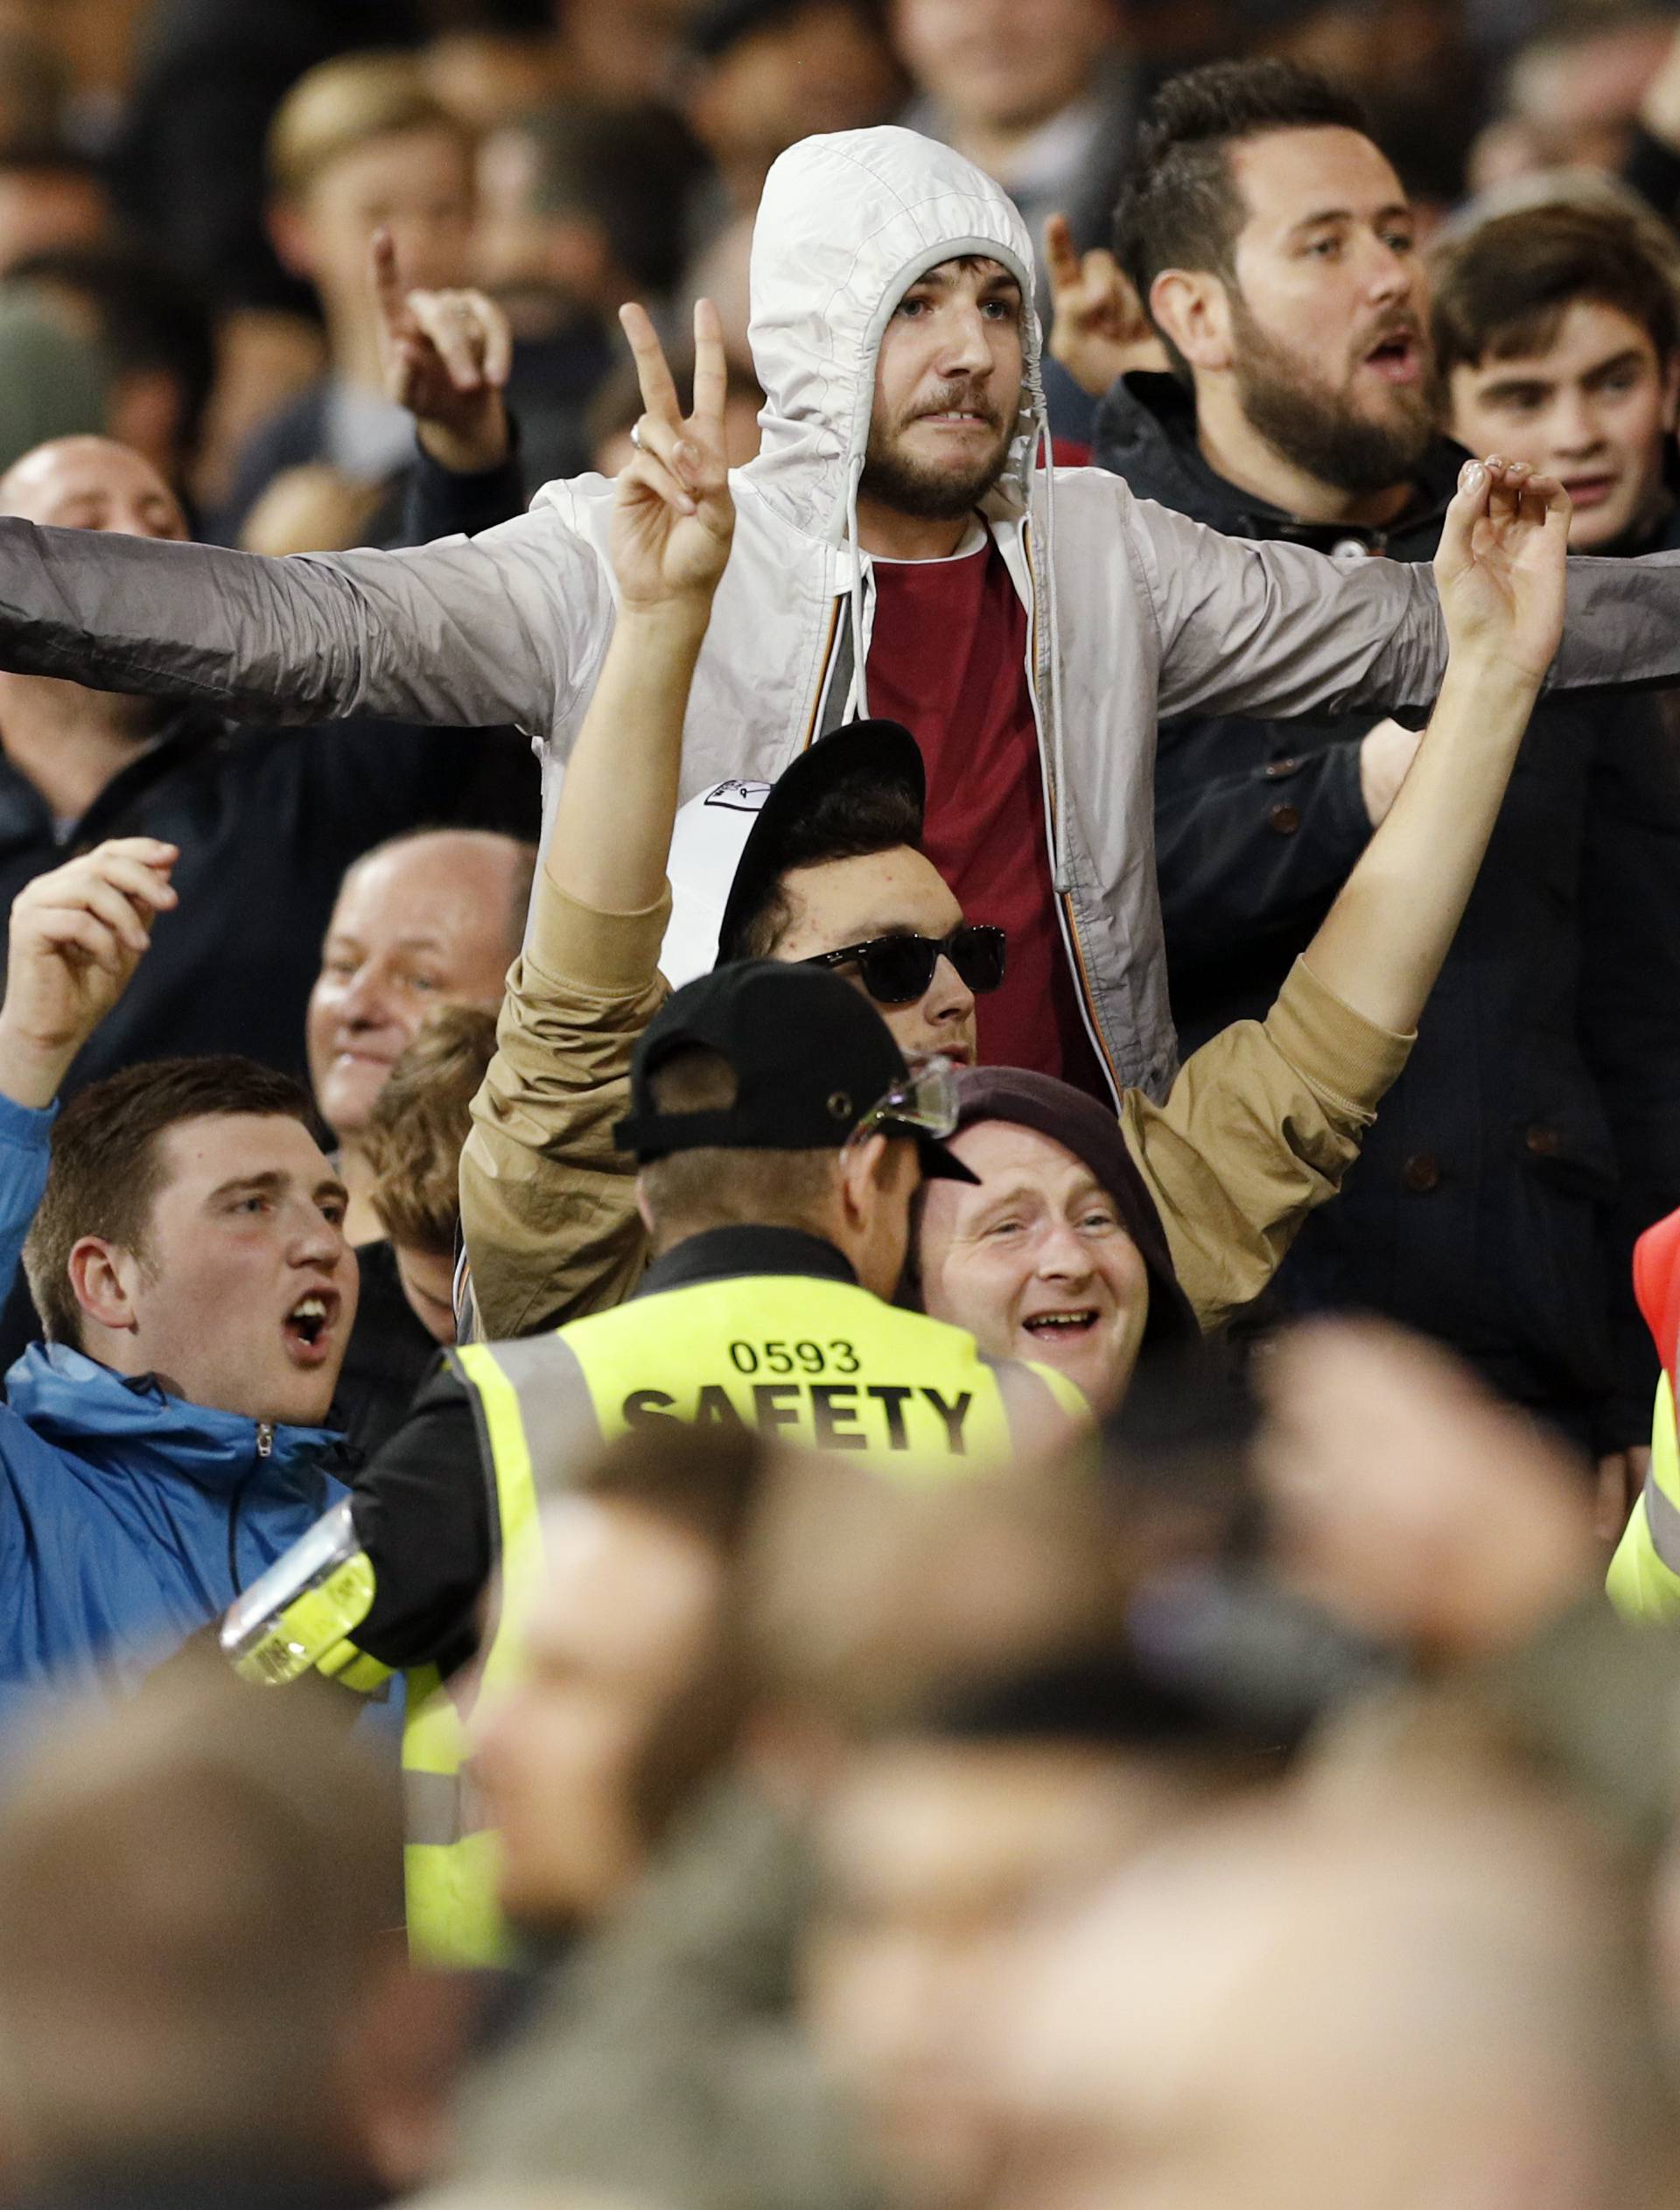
(947,391)
(1361,422)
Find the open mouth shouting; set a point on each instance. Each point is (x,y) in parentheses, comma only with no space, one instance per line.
(309,1326)
(1398,357)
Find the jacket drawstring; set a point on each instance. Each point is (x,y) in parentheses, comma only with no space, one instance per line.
(856,707)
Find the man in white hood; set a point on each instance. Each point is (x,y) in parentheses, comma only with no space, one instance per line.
(903,432)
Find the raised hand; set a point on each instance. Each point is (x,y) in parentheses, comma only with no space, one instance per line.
(77,936)
(447,356)
(674,516)
(1100,329)
(1499,566)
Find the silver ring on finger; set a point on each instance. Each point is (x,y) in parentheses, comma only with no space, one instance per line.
(636,436)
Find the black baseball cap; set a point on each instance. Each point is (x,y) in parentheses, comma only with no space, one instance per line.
(812,1059)
(873,755)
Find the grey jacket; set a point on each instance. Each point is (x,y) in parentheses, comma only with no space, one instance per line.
(1135,612)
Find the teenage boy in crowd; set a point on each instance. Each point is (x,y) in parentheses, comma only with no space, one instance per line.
(1556,335)
(361,144)
(1271,243)
(886,563)
(186,1247)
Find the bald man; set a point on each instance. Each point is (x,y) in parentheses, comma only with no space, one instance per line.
(267,821)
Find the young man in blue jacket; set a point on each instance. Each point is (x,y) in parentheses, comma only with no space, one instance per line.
(183,1235)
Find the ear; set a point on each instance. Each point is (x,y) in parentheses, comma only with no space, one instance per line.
(101,1278)
(863,1172)
(288,231)
(1671,393)
(1192,308)
(643,1207)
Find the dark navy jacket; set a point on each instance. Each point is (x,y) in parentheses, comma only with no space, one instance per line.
(1537,1127)
(128,1518)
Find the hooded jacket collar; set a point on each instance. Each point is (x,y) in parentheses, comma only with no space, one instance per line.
(847,223)
(1146,432)
(77,1406)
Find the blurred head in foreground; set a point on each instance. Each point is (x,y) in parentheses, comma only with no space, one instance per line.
(201,1966)
(631,1696)
(946,1848)
(1401,1996)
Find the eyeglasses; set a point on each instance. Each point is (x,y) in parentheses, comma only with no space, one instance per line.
(923,1101)
(896,970)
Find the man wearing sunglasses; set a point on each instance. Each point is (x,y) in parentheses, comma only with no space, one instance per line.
(781,1139)
(827,866)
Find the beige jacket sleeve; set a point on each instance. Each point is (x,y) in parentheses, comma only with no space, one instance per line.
(548,1200)
(1260,1127)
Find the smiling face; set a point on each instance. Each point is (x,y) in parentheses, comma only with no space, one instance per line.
(427,921)
(1595,408)
(948,390)
(893,893)
(244,1294)
(1326,338)
(1034,1263)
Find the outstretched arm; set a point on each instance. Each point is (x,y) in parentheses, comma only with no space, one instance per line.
(1501,574)
(547,1203)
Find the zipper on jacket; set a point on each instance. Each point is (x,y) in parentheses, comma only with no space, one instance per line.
(264,1451)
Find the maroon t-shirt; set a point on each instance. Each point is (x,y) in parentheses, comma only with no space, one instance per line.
(947,658)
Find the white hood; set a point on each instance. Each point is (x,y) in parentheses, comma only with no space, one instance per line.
(847,223)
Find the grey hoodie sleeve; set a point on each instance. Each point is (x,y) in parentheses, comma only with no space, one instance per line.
(505,627)
(1275,630)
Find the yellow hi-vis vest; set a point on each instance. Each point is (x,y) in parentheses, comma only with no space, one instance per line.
(1644,1578)
(816,1361)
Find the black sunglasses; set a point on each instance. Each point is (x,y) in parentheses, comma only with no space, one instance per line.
(896,970)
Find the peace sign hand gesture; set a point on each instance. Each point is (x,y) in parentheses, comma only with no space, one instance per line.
(674,517)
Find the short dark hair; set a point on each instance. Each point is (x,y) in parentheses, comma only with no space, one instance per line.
(107,1166)
(1502,289)
(1180,207)
(852,819)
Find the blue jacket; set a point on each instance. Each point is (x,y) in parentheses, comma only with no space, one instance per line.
(128,1518)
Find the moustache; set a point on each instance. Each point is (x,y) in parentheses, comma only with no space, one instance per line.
(959,400)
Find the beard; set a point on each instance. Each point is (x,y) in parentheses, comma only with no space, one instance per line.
(1315,427)
(893,479)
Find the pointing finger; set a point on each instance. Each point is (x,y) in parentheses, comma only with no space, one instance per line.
(652,371)
(387,283)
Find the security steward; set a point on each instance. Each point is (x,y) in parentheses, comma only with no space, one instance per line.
(780,1140)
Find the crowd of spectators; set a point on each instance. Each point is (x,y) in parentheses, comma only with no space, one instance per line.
(839,1104)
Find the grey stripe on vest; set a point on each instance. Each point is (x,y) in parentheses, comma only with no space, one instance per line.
(441,1808)
(561,1428)
(1663,1518)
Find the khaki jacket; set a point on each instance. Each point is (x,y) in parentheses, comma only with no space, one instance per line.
(1259,1127)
